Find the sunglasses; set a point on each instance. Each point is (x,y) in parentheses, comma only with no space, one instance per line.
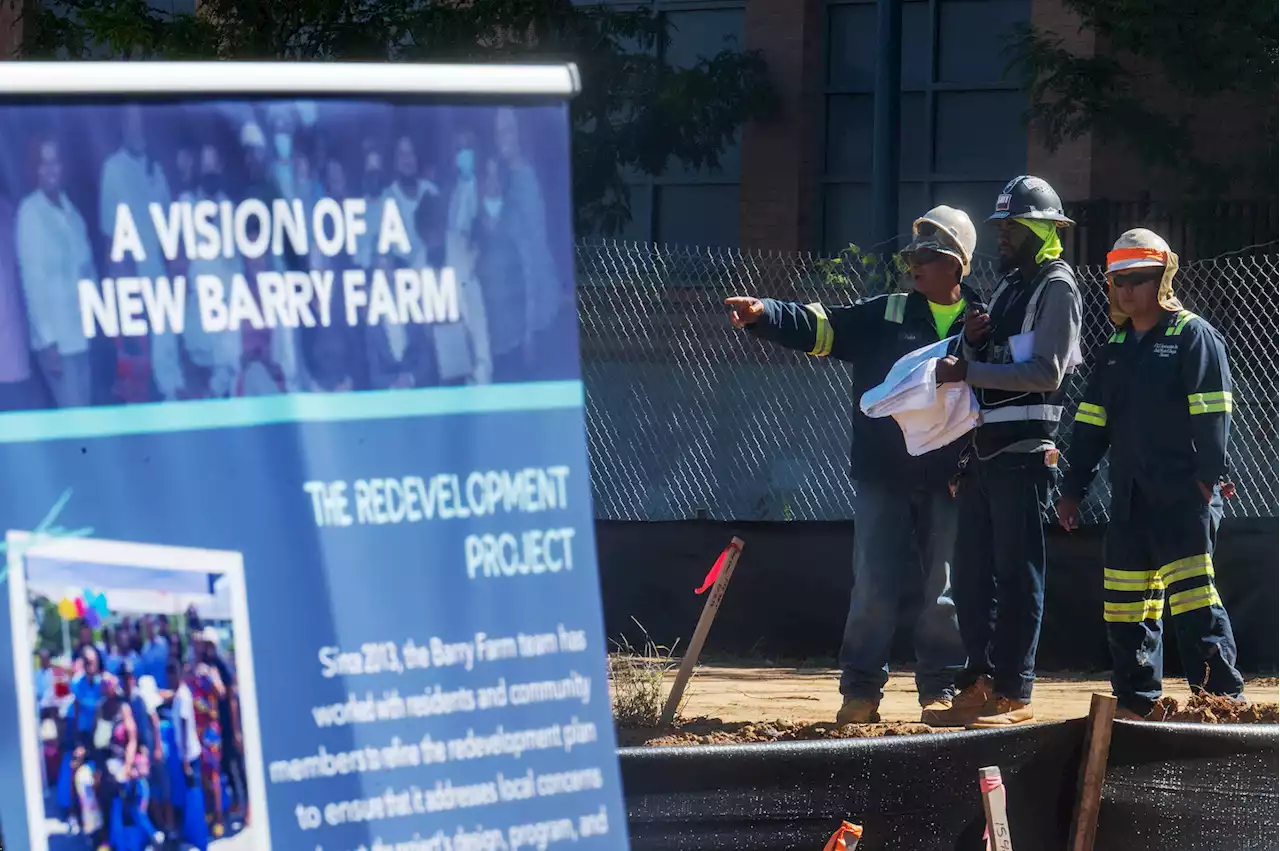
(1125,280)
(923,257)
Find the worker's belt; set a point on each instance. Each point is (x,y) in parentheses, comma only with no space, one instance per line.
(1022,414)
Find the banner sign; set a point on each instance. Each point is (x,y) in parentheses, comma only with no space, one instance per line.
(296,514)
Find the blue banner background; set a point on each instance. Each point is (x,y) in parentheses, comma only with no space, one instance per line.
(227,473)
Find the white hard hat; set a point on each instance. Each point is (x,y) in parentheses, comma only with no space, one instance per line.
(945,230)
(1138,248)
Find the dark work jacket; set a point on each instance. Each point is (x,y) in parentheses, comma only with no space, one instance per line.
(1162,405)
(871,335)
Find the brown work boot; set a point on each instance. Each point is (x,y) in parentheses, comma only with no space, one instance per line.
(858,711)
(1003,712)
(935,712)
(1123,714)
(960,710)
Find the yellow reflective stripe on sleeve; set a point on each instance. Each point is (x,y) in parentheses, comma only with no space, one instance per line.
(1186,568)
(1136,612)
(895,308)
(1184,317)
(1131,580)
(1196,598)
(1118,337)
(1094,415)
(824,338)
(1210,403)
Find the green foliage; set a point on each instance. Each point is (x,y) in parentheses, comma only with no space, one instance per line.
(862,270)
(1201,49)
(636,114)
(49,631)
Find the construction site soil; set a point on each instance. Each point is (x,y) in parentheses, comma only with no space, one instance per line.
(755,705)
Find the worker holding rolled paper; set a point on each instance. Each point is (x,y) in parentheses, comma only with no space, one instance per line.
(1159,399)
(904,514)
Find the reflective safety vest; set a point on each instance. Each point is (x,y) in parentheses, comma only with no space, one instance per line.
(1010,417)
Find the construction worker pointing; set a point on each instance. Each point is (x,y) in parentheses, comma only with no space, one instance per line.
(904,514)
(1160,399)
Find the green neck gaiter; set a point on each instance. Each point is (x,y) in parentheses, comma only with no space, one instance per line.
(1048,233)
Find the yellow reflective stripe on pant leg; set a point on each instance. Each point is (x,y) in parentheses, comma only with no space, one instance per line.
(1186,568)
(1131,580)
(1135,612)
(1094,415)
(1196,598)
(824,337)
(1220,402)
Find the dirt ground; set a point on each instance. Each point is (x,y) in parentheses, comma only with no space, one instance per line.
(735,704)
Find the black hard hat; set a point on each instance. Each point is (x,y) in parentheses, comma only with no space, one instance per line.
(1027,197)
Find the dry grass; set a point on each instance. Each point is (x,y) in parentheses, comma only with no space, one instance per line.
(637,679)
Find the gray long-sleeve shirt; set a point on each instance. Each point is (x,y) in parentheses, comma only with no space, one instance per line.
(1059,316)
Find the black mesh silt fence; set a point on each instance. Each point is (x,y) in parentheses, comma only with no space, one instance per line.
(1194,788)
(1168,786)
(917,792)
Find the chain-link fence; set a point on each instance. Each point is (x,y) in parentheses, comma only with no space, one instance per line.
(689,419)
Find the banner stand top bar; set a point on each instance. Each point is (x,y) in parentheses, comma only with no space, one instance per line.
(287,79)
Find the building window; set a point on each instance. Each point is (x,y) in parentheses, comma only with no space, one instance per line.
(962,135)
(688,206)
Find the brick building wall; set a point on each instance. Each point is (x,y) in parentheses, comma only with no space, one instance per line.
(1069,169)
(10,28)
(781,158)
(1225,129)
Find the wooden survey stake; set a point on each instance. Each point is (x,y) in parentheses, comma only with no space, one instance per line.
(709,609)
(993,803)
(1093,772)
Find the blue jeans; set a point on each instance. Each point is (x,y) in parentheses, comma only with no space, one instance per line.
(1158,553)
(1000,569)
(903,540)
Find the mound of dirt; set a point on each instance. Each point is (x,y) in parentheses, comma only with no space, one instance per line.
(1211,709)
(713,731)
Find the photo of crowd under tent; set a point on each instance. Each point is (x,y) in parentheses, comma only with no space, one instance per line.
(136,662)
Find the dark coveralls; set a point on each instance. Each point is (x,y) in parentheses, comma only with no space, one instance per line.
(1162,403)
(1008,474)
(905,515)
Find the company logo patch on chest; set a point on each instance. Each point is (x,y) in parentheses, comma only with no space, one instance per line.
(910,337)
(1165,350)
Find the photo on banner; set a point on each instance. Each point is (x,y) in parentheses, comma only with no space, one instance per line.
(126,579)
(300,549)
